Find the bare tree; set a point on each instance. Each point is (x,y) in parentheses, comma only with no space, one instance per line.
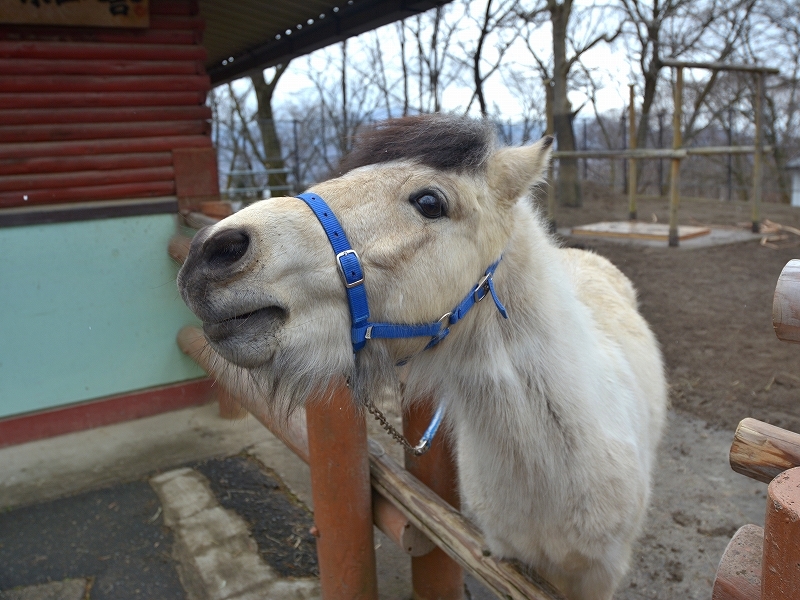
(707,31)
(574,32)
(273,156)
(495,23)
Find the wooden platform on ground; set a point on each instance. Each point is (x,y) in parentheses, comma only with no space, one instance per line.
(638,231)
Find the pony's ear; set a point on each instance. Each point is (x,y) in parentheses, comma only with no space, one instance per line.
(511,171)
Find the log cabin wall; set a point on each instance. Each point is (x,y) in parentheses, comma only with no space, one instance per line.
(95,114)
(103,131)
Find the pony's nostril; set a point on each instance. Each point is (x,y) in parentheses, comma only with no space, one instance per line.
(225,247)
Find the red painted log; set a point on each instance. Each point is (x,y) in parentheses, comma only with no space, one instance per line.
(99,99)
(174,7)
(177,22)
(38,66)
(780,578)
(88,83)
(112,146)
(19,429)
(786,303)
(57,50)
(30,184)
(94,131)
(340,488)
(102,35)
(42,116)
(82,194)
(66,164)
(434,576)
(739,573)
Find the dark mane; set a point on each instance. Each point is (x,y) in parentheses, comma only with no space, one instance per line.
(443,142)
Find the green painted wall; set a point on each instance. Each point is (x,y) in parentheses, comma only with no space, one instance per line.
(88,309)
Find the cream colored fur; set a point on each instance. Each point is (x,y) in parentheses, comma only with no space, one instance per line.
(556,412)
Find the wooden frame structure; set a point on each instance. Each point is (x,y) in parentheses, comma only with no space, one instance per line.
(678,152)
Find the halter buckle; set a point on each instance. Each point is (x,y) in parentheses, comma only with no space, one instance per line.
(348,284)
(443,321)
(483,284)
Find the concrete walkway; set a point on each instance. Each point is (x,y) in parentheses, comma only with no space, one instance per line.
(128,507)
(212,550)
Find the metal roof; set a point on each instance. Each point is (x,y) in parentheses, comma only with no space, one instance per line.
(242,35)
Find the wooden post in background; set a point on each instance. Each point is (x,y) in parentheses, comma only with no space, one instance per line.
(675,172)
(631,161)
(551,184)
(757,155)
(340,488)
(434,576)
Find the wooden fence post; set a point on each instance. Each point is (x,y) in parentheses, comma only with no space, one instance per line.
(340,488)
(631,161)
(780,574)
(757,155)
(434,576)
(675,172)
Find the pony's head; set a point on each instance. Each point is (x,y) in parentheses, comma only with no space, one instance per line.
(426,202)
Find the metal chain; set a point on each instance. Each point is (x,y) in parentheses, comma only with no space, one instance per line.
(390,429)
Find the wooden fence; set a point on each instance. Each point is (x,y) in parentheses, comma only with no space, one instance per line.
(764,564)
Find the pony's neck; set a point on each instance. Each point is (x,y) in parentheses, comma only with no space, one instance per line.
(494,368)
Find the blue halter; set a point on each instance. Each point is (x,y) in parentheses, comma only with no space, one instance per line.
(361,328)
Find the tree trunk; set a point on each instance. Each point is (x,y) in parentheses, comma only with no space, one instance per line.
(568,185)
(273,155)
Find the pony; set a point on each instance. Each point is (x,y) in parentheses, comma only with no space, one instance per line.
(556,411)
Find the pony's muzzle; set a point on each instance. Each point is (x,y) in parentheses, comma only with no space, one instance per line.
(215,258)
(224,248)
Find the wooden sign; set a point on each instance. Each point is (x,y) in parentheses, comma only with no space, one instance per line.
(92,13)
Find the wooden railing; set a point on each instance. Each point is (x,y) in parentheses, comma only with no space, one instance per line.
(764,564)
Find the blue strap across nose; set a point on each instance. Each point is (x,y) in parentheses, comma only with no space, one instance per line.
(353,274)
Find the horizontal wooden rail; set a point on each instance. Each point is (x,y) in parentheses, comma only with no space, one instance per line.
(786,303)
(99,35)
(62,100)
(40,66)
(103,146)
(688,64)
(762,451)
(94,131)
(95,192)
(92,162)
(49,115)
(91,83)
(657,153)
(452,532)
(45,181)
(95,50)
(418,506)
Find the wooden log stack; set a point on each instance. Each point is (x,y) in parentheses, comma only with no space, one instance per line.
(92,113)
(764,564)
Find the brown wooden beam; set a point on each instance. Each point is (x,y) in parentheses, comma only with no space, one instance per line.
(119,50)
(762,451)
(111,146)
(63,100)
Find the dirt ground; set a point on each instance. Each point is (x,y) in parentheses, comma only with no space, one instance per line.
(711,309)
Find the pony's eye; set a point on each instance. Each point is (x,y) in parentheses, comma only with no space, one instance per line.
(428,204)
